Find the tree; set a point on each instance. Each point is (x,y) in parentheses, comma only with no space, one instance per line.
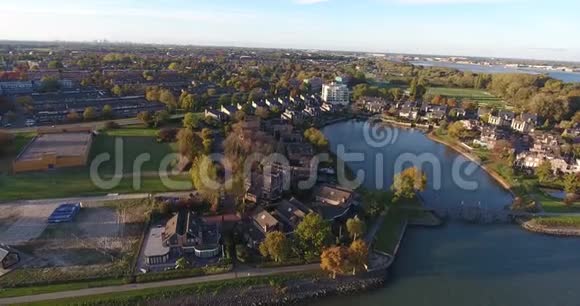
(262,112)
(204,179)
(48,84)
(145,117)
(313,232)
(275,246)
(167,135)
(189,143)
(161,117)
(316,137)
(117,90)
(173,66)
(544,171)
(55,65)
(355,227)
(358,254)
(335,260)
(89,114)
(166,97)
(456,130)
(73,116)
(107,111)
(408,182)
(571,183)
(190,120)
(181,264)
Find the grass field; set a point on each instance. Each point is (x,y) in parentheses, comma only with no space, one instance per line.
(554,205)
(481,96)
(388,235)
(77,181)
(563,221)
(134,141)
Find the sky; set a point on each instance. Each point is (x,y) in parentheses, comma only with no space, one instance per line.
(539,29)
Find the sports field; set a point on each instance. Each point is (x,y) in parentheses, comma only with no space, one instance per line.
(481,96)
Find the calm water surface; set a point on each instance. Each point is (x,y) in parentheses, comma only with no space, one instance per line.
(463,264)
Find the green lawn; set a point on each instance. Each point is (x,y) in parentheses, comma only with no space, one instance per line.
(481,96)
(24,291)
(136,141)
(146,296)
(130,143)
(562,221)
(554,205)
(388,235)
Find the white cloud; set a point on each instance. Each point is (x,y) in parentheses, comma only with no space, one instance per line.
(309,1)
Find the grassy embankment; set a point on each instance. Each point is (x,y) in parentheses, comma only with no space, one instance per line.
(567,222)
(77,181)
(166,293)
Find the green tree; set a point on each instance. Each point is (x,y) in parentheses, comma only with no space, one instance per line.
(107,111)
(145,117)
(189,143)
(55,65)
(275,246)
(355,227)
(544,171)
(173,66)
(181,264)
(89,114)
(456,130)
(191,120)
(166,97)
(204,179)
(313,232)
(358,254)
(161,117)
(117,90)
(571,183)
(408,182)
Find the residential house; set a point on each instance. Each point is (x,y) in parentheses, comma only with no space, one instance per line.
(522,126)
(214,114)
(489,137)
(332,202)
(229,110)
(408,113)
(291,213)
(267,187)
(186,233)
(503,119)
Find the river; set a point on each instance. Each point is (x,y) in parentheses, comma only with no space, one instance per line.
(462,264)
(569,77)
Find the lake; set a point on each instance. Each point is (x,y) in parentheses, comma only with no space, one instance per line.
(460,263)
(568,77)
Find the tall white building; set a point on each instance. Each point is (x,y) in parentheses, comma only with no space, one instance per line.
(336,94)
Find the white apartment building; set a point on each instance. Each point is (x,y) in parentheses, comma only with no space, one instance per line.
(336,94)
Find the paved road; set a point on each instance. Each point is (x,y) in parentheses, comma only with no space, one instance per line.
(242,273)
(94,125)
(109,197)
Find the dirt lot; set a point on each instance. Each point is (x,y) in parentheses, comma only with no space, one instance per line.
(21,223)
(101,242)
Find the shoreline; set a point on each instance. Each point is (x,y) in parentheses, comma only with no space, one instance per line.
(532,227)
(498,178)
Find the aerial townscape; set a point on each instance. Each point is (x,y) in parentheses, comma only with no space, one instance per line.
(154,173)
